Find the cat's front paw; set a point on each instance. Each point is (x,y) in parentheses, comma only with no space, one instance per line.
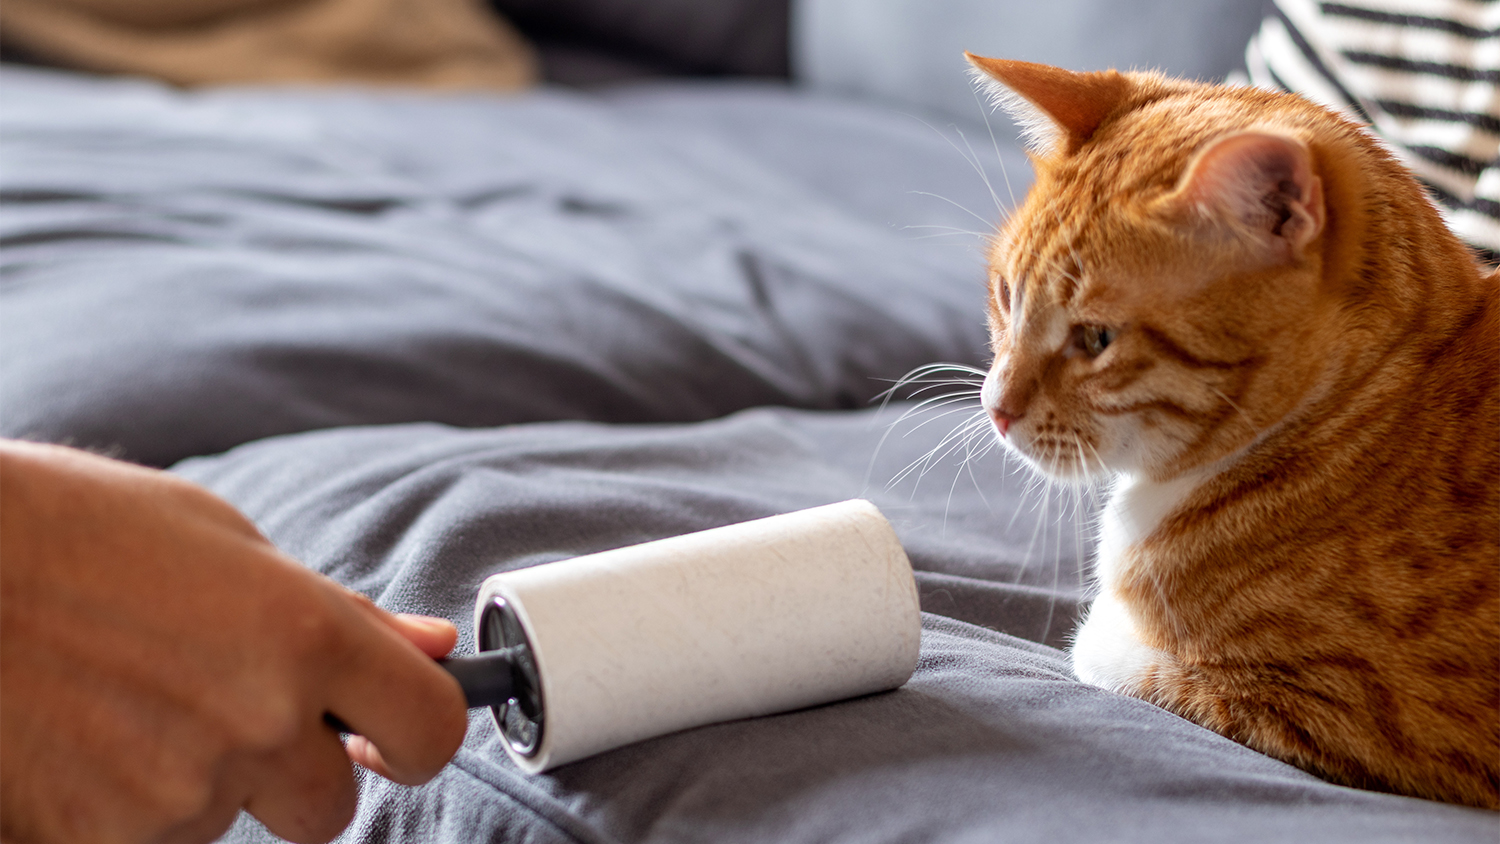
(1109,653)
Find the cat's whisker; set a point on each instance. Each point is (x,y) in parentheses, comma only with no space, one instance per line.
(921,466)
(944,447)
(936,417)
(963,379)
(946,366)
(984,114)
(939,400)
(973,158)
(955,440)
(1098,460)
(921,375)
(1227,400)
(975,457)
(1079,519)
(1035,482)
(891,428)
(1077,262)
(973,161)
(966,386)
(952,231)
(960,206)
(1047,517)
(966,465)
(966,379)
(1087,491)
(1056,570)
(936,402)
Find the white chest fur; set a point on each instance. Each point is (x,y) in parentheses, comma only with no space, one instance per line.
(1136,508)
(1108,650)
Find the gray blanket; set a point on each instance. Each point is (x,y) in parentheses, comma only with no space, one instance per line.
(419,341)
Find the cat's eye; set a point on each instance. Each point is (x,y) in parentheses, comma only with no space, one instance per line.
(1002,292)
(1094,339)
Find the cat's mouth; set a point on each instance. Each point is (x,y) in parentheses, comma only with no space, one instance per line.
(1058,453)
(1052,444)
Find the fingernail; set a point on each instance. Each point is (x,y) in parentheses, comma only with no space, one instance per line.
(426,621)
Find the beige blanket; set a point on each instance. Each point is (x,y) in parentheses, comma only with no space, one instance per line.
(418,43)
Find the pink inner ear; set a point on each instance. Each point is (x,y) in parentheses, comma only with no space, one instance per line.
(1261,181)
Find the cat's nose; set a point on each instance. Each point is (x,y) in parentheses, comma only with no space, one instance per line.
(1002,420)
(1001,403)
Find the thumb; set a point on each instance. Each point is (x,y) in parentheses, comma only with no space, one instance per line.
(433,636)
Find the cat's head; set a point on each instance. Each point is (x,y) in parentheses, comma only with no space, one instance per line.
(1159,298)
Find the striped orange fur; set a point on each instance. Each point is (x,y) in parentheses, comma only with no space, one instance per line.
(1243,309)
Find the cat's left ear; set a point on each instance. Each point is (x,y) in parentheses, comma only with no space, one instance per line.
(1059,110)
(1260,184)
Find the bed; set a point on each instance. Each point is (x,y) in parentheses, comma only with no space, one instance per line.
(421,339)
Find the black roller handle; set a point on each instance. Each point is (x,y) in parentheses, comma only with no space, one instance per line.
(488,679)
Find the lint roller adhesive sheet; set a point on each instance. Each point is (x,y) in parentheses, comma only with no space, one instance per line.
(751,619)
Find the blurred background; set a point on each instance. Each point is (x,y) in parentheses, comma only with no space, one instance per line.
(901,51)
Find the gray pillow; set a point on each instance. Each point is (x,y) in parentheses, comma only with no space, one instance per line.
(187,272)
(911,51)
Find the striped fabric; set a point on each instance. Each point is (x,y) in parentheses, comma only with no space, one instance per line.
(1425,74)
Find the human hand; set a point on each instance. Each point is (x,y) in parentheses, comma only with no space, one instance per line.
(163,666)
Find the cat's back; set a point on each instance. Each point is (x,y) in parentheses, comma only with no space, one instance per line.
(1362,544)
(1356,547)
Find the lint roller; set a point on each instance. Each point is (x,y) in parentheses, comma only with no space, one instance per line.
(589,654)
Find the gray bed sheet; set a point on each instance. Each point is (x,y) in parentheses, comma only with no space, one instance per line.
(186,272)
(420,340)
(992,739)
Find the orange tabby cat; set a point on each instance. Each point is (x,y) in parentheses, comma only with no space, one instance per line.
(1243,308)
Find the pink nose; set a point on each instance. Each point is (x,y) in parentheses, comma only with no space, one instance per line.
(1002,420)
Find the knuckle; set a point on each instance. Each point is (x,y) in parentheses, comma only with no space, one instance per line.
(195,498)
(310,631)
(265,723)
(362,600)
(262,709)
(314,630)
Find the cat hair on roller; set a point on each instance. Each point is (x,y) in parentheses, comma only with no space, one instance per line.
(585,655)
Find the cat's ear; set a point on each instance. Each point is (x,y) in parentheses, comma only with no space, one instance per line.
(1262,185)
(1058,109)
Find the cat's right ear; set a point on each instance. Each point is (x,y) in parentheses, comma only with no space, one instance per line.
(1058,109)
(1260,186)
